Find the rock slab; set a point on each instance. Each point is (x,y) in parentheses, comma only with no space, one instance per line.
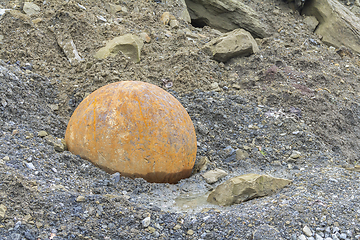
(130,45)
(227,15)
(246,187)
(236,43)
(337,24)
(213,176)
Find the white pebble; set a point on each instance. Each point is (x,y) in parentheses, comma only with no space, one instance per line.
(302,237)
(307,231)
(318,237)
(30,165)
(146,222)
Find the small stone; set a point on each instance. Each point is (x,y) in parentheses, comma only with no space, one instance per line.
(213,176)
(177,227)
(101,18)
(343,236)
(6,158)
(236,86)
(334,237)
(174,23)
(241,154)
(130,45)
(31,8)
(276,163)
(215,87)
(295,154)
(318,237)
(151,229)
(80,199)
(190,232)
(29,135)
(54,107)
(156,234)
(166,17)
(42,133)
(115,177)
(3,209)
(37,20)
(146,222)
(307,231)
(113,8)
(201,164)
(302,237)
(59,147)
(145,37)
(30,165)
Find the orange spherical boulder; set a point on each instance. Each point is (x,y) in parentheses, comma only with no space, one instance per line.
(136,129)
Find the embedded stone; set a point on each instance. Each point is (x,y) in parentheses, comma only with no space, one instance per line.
(136,129)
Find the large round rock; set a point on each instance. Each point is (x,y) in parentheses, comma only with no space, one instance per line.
(134,128)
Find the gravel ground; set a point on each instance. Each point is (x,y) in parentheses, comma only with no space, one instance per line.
(57,195)
(296,96)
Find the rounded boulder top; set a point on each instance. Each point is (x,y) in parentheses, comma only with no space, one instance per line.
(136,129)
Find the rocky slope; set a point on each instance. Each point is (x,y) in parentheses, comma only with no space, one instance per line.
(295,95)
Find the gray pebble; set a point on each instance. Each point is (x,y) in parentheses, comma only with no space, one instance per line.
(145,222)
(334,237)
(318,237)
(30,165)
(307,231)
(302,237)
(343,236)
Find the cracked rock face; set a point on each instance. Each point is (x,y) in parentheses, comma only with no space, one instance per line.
(227,16)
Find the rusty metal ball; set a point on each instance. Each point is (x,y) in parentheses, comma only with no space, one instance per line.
(136,129)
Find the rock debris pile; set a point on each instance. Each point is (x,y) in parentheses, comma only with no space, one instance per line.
(285,105)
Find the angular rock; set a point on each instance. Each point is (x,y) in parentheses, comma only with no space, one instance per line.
(3,209)
(312,22)
(241,154)
(42,134)
(146,222)
(130,45)
(58,144)
(232,44)
(181,11)
(166,17)
(145,37)
(307,231)
(114,8)
(246,187)
(213,176)
(31,8)
(80,199)
(295,154)
(227,15)
(337,24)
(66,43)
(266,232)
(201,164)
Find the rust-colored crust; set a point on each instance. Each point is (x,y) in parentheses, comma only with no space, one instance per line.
(134,128)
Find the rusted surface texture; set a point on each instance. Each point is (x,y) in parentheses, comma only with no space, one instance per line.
(134,128)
